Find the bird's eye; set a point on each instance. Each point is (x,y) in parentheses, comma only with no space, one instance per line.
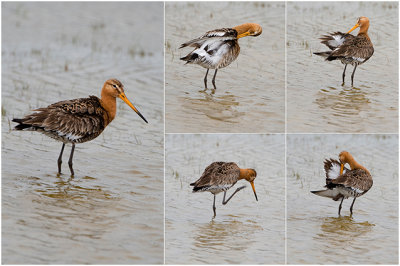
(115,86)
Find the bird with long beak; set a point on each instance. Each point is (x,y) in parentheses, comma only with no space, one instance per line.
(78,120)
(347,48)
(342,183)
(220,176)
(218,48)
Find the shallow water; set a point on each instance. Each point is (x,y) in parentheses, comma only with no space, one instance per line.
(244,231)
(316,235)
(112,210)
(250,92)
(316,101)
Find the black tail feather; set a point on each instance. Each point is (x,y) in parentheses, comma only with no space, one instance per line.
(21,125)
(190,57)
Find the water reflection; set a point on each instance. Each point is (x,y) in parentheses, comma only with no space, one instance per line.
(216,107)
(221,235)
(339,230)
(69,188)
(346,101)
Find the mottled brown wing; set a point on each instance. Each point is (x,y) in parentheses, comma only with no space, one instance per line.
(358,47)
(219,34)
(357,179)
(335,39)
(78,120)
(219,173)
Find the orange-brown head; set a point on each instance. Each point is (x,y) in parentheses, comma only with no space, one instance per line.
(249,175)
(248,29)
(363,23)
(114,88)
(346,157)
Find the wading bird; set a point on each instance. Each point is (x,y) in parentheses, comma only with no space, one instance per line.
(342,183)
(347,48)
(220,176)
(218,48)
(77,121)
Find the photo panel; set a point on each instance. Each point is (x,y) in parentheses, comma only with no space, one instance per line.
(106,205)
(319,49)
(250,228)
(316,233)
(202,37)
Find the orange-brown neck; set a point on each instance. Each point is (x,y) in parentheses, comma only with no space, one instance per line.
(109,103)
(364,31)
(244,174)
(245,28)
(354,164)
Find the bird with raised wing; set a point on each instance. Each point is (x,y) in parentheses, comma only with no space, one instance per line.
(221,176)
(218,48)
(347,48)
(342,183)
(78,120)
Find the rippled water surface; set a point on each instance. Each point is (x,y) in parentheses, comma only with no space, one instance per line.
(244,231)
(316,234)
(250,92)
(316,101)
(112,210)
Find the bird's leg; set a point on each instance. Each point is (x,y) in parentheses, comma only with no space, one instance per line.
(59,161)
(340,206)
(214,207)
(213,80)
(351,207)
(70,159)
(205,79)
(236,191)
(352,75)
(344,74)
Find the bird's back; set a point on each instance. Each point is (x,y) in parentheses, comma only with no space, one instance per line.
(74,121)
(352,183)
(217,177)
(346,47)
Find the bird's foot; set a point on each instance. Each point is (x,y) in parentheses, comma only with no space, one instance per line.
(240,188)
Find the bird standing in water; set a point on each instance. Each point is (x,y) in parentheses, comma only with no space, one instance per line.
(78,120)
(220,176)
(218,48)
(347,48)
(342,183)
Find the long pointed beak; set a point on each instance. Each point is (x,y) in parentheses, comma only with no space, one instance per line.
(255,194)
(243,34)
(341,168)
(355,27)
(123,97)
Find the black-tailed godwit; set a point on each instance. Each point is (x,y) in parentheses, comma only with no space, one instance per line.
(220,176)
(347,48)
(218,48)
(342,183)
(78,120)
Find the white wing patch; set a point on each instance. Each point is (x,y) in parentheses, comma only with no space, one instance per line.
(357,190)
(334,171)
(359,59)
(212,60)
(338,40)
(68,136)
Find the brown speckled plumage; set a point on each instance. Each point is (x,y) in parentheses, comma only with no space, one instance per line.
(72,121)
(218,174)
